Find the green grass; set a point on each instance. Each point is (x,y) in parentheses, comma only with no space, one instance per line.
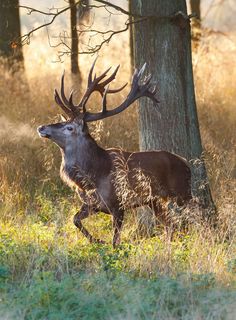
(48,270)
(85,295)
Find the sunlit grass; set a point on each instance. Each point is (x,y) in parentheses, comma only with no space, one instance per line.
(50,271)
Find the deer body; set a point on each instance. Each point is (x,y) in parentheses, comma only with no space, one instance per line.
(95,172)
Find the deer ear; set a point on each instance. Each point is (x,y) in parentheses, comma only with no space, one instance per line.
(82,123)
(84,126)
(63,118)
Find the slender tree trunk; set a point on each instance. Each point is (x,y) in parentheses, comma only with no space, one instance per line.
(195,7)
(83,11)
(196,22)
(165,44)
(74,39)
(10,32)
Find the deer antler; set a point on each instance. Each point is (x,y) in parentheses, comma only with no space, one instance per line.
(94,84)
(67,105)
(146,89)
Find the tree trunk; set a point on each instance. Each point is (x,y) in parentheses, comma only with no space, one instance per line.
(165,44)
(74,39)
(196,21)
(83,11)
(10,46)
(195,7)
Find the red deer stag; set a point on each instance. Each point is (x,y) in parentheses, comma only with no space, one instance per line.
(92,169)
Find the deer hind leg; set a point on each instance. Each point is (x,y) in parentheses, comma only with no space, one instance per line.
(160,213)
(118,217)
(164,219)
(83,213)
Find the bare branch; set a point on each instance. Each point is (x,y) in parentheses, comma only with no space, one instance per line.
(106,35)
(32,10)
(118,8)
(26,38)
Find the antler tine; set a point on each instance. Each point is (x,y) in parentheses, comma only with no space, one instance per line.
(137,91)
(141,71)
(108,80)
(111,78)
(103,75)
(104,100)
(135,79)
(96,79)
(117,90)
(67,105)
(60,103)
(71,98)
(148,79)
(64,99)
(91,72)
(137,75)
(95,84)
(154,90)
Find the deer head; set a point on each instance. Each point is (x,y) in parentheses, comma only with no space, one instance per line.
(75,125)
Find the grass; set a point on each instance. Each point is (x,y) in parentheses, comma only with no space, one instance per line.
(48,270)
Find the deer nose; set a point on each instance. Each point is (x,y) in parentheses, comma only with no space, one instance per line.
(40,128)
(44,132)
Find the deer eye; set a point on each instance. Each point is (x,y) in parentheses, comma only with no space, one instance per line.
(70,128)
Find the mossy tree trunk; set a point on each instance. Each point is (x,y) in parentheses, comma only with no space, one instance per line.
(10,32)
(165,44)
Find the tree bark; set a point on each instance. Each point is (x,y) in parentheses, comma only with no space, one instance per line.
(83,11)
(165,44)
(195,7)
(10,32)
(196,21)
(74,39)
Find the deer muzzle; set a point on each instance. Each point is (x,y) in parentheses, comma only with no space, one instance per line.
(43,132)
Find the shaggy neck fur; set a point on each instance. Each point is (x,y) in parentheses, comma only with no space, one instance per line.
(84,162)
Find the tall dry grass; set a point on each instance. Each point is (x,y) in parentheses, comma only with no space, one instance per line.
(214,71)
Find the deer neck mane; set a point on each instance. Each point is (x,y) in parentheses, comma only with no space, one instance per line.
(84,162)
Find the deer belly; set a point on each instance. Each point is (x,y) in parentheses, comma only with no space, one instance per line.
(106,194)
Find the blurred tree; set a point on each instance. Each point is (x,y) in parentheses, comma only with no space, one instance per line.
(79,13)
(74,39)
(195,7)
(164,41)
(83,11)
(9,32)
(196,21)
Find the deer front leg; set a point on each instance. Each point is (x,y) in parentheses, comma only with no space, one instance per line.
(83,213)
(118,217)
